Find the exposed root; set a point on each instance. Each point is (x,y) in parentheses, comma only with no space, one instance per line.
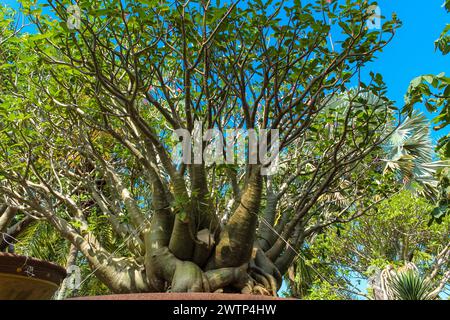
(264,275)
(260,291)
(255,287)
(224,277)
(188,277)
(172,274)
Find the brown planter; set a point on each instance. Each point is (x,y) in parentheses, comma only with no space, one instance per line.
(25,278)
(180,296)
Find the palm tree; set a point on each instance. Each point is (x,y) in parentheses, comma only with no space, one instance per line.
(409,154)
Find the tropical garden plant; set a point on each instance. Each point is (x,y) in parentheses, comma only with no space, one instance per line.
(393,249)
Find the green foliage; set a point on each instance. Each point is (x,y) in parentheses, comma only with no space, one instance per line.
(434,92)
(443,202)
(409,155)
(395,232)
(90,286)
(409,285)
(41,241)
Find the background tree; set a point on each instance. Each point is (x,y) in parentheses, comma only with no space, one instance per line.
(434,92)
(394,237)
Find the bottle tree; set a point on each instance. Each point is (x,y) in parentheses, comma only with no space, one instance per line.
(91,99)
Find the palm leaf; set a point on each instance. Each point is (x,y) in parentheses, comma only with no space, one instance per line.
(409,285)
(409,154)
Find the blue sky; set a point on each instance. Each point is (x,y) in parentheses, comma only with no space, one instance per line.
(412,53)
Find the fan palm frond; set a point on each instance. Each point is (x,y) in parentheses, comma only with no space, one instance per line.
(359,100)
(409,154)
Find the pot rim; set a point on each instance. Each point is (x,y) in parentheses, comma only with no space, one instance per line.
(19,265)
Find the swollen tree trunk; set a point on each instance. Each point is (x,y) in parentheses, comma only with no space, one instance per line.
(236,241)
(192,262)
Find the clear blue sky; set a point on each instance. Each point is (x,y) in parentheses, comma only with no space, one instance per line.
(412,53)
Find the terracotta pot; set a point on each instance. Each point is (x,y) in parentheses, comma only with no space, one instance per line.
(179,296)
(25,278)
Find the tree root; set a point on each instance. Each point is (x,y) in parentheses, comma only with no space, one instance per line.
(168,273)
(265,277)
